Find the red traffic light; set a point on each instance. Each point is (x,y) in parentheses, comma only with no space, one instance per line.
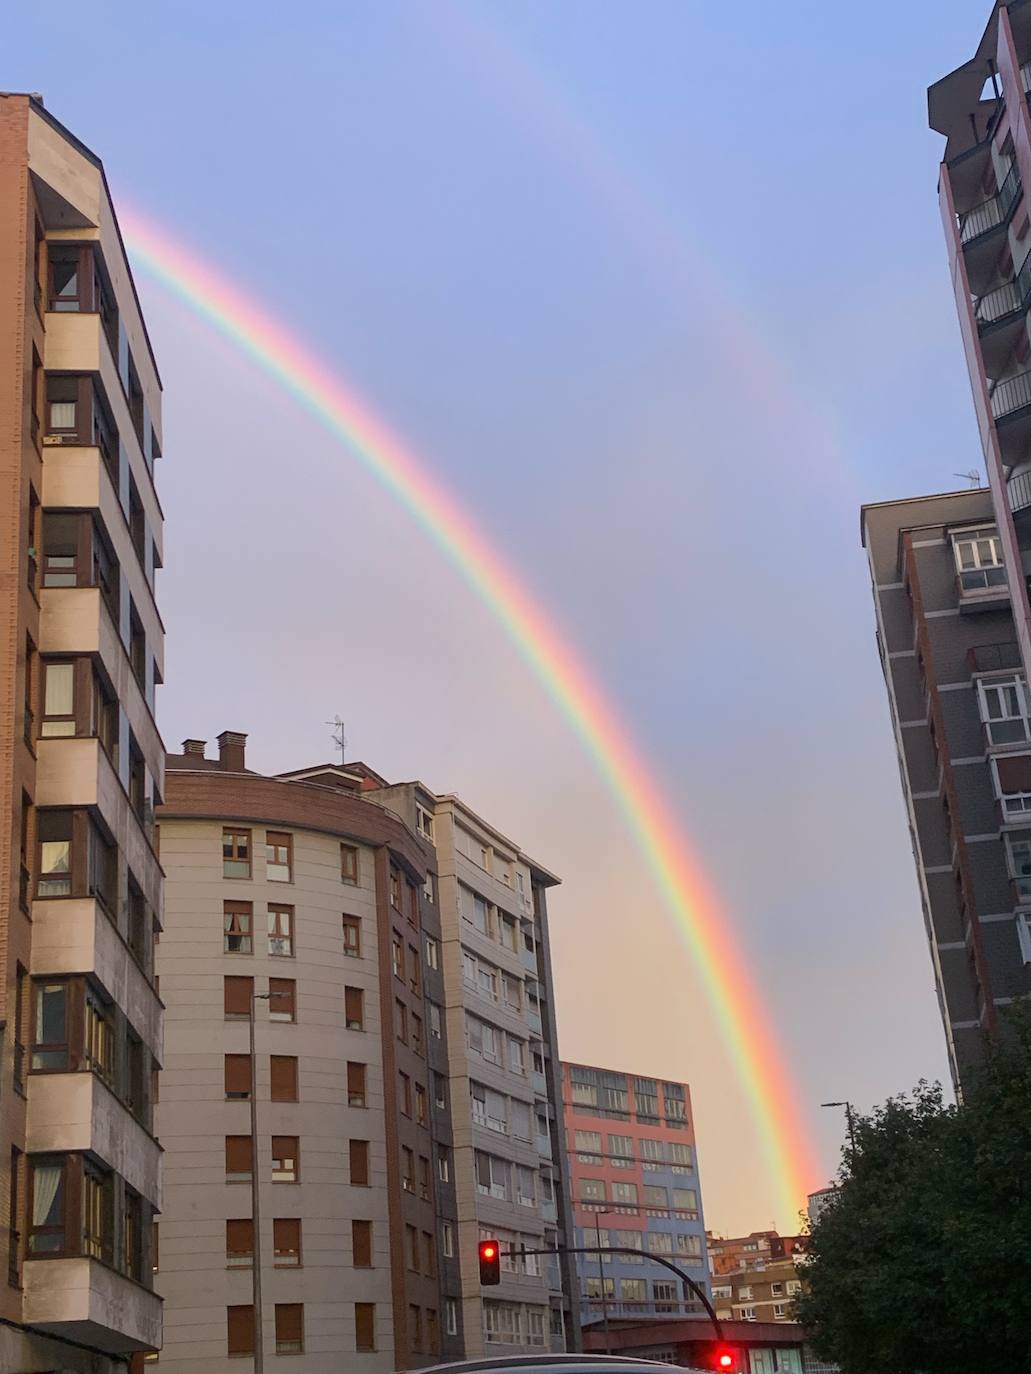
(490,1263)
(725,1359)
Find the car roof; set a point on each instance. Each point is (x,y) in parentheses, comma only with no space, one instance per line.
(527,1364)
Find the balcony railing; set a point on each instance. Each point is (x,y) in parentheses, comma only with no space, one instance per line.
(1011,395)
(1006,299)
(1018,489)
(1025,77)
(991,212)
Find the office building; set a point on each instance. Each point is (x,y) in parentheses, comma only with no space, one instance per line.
(962,722)
(633,1172)
(299,896)
(81,763)
(509,1152)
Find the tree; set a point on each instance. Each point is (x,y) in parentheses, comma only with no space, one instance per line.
(921,1261)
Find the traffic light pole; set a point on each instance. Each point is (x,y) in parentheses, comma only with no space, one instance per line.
(599,1250)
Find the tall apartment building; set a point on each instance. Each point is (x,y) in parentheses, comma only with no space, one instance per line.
(633,1165)
(960,711)
(299,892)
(510,1166)
(756,1277)
(81,763)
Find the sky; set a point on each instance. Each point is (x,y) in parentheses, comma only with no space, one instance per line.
(659,291)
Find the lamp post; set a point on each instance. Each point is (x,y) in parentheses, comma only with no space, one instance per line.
(259,1356)
(602,1212)
(849,1117)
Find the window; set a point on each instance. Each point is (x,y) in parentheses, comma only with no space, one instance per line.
(748,1314)
(509,934)
(534,1326)
(99,1038)
(279,857)
(238,1158)
(515,1055)
(355,1084)
(434,1011)
(284,1078)
(686,1200)
(656,1197)
(289,1328)
(281,931)
(443,1165)
(625,1193)
(745,1293)
(365,1326)
(237,923)
(421,1115)
(451,1316)
(681,1157)
(634,1239)
(415,973)
(432,1333)
(424,1178)
(1004,708)
(406,1093)
(660,1243)
(395,889)
(588,1147)
(519,1116)
(354,1008)
(664,1294)
(481,915)
(621,1148)
(238,1077)
(358,1159)
(440,1091)
(282,1005)
(487,982)
(412,1248)
(501,1323)
(285,1159)
(979,563)
(513,992)
(592,1190)
(240,1244)
(492,1176)
(407,1169)
(690,1247)
(54,870)
(286,1242)
(97,1212)
(361,1244)
(237,994)
(58,699)
(397,957)
(427,888)
(240,1330)
(48,1228)
(780,1312)
(236,853)
(469,968)
(447,1239)
(417,1041)
(349,863)
(526,1186)
(50,1027)
(794,1287)
(776,1290)
(400,1021)
(423,822)
(352,937)
(432,953)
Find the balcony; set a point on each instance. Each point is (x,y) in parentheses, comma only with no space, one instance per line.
(990,214)
(540,1085)
(1011,396)
(83,1300)
(1018,489)
(993,658)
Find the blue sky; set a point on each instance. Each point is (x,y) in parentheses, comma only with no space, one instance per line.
(660,290)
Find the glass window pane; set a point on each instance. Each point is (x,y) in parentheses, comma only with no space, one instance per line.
(60,689)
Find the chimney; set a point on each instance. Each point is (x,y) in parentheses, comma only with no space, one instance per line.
(195,747)
(231,745)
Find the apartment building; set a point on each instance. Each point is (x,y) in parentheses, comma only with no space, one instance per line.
(633,1172)
(298,897)
(81,763)
(961,716)
(755,1277)
(508,1159)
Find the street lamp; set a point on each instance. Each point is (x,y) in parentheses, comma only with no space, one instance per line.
(849,1117)
(602,1212)
(259,1357)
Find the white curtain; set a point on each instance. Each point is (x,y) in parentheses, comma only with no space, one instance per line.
(46,1179)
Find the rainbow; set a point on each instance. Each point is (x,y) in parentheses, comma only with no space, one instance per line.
(567,681)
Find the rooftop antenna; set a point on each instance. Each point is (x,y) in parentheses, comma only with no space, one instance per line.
(973,477)
(338,737)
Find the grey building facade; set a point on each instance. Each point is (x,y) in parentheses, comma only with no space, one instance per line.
(961,716)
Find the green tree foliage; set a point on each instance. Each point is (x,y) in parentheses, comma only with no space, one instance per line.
(921,1262)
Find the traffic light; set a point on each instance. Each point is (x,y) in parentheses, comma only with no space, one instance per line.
(490,1262)
(725,1359)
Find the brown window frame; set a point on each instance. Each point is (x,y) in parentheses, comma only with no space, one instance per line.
(237,994)
(239,1243)
(395,889)
(422,1111)
(277,913)
(238,1077)
(282,1151)
(365,1327)
(361,1244)
(240,1146)
(352,924)
(235,838)
(282,1006)
(242,932)
(240,1323)
(354,1008)
(357,1084)
(405,1084)
(279,839)
(287,1249)
(415,976)
(349,864)
(358,1163)
(284,1078)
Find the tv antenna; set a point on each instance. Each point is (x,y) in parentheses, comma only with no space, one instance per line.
(338,737)
(973,477)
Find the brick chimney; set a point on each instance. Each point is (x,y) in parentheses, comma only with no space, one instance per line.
(231,745)
(195,747)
